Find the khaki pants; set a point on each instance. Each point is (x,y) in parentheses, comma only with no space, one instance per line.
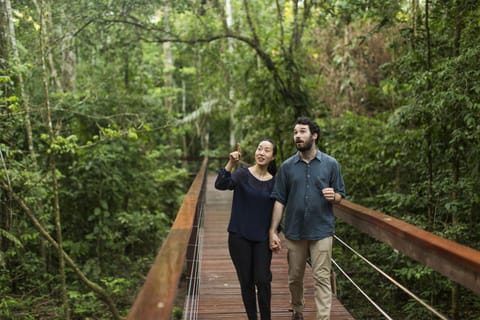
(320,252)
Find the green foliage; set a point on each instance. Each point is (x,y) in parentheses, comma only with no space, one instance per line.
(10,237)
(424,173)
(84,304)
(177,313)
(400,113)
(119,181)
(7,307)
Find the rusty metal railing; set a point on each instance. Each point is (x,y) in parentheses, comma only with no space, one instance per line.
(157,297)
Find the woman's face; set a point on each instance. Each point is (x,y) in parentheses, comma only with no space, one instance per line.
(264,153)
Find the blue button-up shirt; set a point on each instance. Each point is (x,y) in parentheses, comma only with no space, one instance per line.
(298,186)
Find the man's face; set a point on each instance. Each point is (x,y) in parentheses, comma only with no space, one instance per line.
(304,140)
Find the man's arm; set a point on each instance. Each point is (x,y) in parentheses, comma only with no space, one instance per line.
(275,242)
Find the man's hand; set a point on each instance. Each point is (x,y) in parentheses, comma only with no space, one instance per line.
(329,194)
(275,242)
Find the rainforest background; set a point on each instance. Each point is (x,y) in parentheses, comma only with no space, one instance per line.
(103,102)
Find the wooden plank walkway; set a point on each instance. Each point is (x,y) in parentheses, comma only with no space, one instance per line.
(219,296)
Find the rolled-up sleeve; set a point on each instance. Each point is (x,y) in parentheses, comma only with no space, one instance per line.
(337,181)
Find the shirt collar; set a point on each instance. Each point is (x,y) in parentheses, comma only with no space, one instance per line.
(297,158)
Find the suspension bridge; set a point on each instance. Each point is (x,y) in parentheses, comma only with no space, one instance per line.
(195,255)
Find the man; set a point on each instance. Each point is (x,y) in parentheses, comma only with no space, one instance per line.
(306,186)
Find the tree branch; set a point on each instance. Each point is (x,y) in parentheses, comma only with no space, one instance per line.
(99,291)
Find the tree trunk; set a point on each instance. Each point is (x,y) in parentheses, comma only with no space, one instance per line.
(459,25)
(68,66)
(3,35)
(6,215)
(53,74)
(167,52)
(21,86)
(431,208)
(414,18)
(231,91)
(427,31)
(56,207)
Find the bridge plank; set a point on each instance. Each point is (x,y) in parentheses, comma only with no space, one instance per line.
(219,288)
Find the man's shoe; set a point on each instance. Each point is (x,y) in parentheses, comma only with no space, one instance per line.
(297,316)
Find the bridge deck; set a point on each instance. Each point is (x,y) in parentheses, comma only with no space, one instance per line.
(219,289)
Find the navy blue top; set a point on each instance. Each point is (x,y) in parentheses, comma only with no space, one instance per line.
(298,186)
(251,205)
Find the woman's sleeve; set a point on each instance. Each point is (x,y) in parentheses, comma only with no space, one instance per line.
(224,180)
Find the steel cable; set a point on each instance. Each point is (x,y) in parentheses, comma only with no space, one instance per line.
(411,294)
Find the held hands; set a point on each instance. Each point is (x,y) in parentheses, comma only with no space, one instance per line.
(275,242)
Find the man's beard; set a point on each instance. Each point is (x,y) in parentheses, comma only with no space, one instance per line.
(307,145)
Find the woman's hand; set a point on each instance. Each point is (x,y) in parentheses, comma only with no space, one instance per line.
(275,242)
(233,158)
(236,155)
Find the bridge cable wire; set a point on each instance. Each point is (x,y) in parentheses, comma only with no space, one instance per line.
(191,303)
(192,300)
(411,294)
(361,291)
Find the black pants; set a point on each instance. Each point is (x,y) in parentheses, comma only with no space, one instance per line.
(252,262)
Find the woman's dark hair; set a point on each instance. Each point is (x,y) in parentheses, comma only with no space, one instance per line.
(312,125)
(272,166)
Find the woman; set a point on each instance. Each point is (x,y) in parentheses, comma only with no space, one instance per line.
(248,241)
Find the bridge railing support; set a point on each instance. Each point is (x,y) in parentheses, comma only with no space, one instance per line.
(453,260)
(157,295)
